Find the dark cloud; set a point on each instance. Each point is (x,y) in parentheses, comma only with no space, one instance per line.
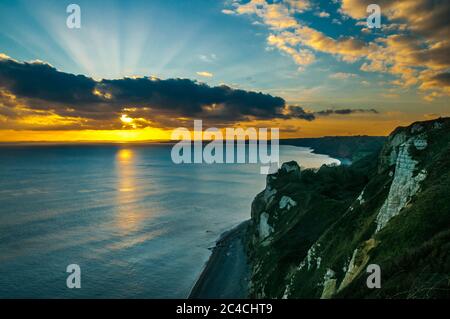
(430,17)
(190,98)
(300,113)
(426,17)
(43,87)
(43,82)
(345,111)
(442,78)
(150,101)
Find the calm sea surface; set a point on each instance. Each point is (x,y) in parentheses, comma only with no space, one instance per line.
(138,225)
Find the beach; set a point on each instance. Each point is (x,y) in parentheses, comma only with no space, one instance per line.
(227,272)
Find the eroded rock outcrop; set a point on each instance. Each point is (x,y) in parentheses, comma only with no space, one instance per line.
(405,183)
(357,263)
(329,284)
(287,203)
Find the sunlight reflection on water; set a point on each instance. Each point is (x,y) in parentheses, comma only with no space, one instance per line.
(138,225)
(128,217)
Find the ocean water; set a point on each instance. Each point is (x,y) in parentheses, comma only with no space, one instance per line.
(138,225)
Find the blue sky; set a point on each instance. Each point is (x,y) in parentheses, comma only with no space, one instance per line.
(162,38)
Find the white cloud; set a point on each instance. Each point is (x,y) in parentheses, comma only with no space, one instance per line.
(205,74)
(342,76)
(3,56)
(336,21)
(228,11)
(400,54)
(323,14)
(209,58)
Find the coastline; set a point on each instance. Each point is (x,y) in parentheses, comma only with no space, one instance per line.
(227,266)
(228,263)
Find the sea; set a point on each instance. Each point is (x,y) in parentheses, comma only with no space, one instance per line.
(136,224)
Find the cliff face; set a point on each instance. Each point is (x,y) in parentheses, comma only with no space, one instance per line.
(313,233)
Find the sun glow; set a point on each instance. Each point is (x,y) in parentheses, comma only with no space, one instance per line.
(126,119)
(119,136)
(104,95)
(128,220)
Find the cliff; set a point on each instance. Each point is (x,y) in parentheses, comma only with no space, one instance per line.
(313,233)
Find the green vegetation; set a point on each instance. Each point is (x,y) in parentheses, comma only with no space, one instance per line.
(311,244)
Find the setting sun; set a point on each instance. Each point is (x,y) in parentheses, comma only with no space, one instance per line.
(126,119)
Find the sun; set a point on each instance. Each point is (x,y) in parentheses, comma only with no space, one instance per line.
(126,119)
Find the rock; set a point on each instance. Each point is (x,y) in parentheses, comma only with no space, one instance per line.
(350,273)
(389,153)
(290,167)
(420,144)
(286,293)
(403,187)
(360,198)
(265,230)
(358,261)
(318,261)
(287,202)
(311,257)
(269,194)
(300,249)
(329,284)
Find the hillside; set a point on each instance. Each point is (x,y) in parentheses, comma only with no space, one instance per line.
(313,233)
(351,148)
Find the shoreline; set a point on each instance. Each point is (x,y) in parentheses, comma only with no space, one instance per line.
(227,265)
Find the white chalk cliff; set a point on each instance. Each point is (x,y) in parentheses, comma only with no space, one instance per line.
(405,184)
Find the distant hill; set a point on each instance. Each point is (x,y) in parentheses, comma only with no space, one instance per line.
(352,148)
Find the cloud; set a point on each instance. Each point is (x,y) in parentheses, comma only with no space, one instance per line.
(205,74)
(292,37)
(3,56)
(414,45)
(227,11)
(345,111)
(435,82)
(342,76)
(422,41)
(300,56)
(208,58)
(442,78)
(40,89)
(38,96)
(299,112)
(322,14)
(41,81)
(427,17)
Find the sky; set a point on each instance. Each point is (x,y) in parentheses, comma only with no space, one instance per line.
(136,70)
